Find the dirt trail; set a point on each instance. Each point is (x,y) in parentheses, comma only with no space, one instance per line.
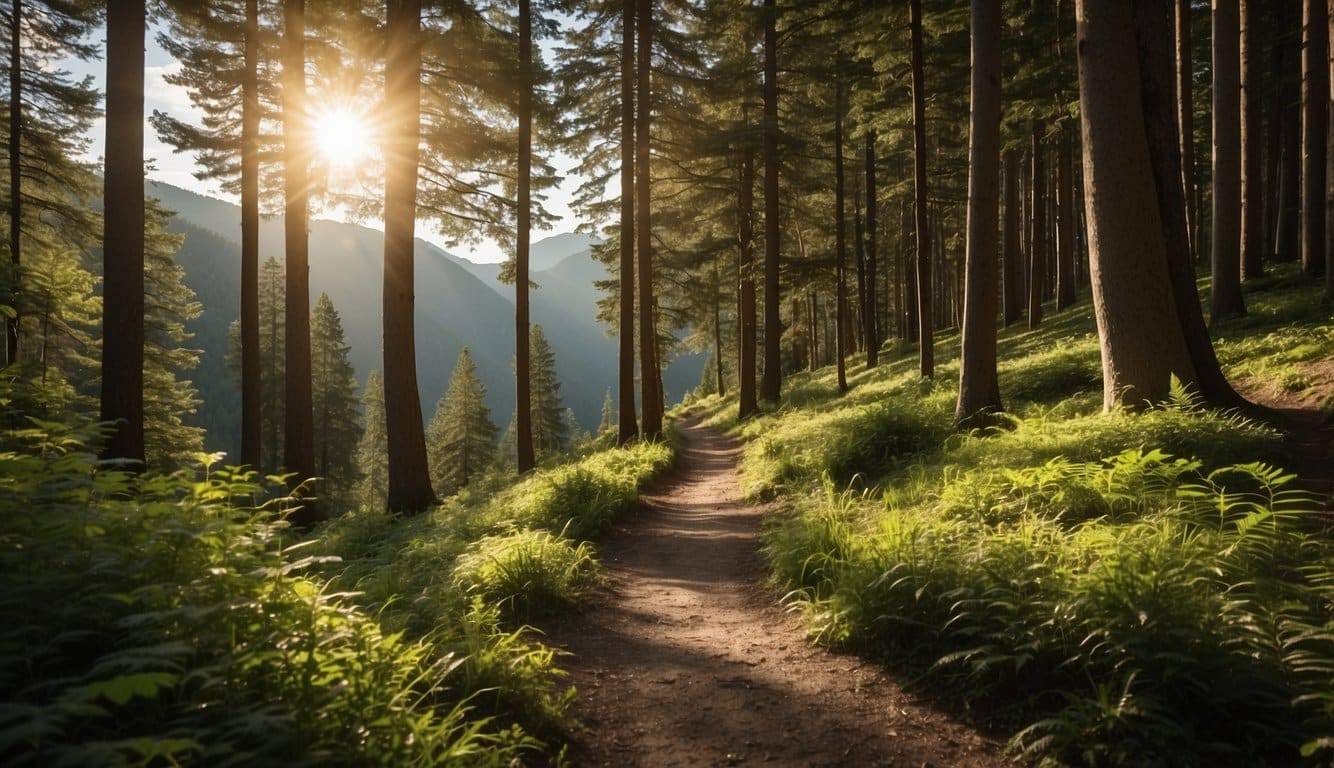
(687,661)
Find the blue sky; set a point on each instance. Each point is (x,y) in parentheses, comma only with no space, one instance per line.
(178,169)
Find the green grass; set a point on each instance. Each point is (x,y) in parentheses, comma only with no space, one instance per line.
(1114,589)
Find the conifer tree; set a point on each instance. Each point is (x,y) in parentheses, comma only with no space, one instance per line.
(608,422)
(49,117)
(373,449)
(551,435)
(272,296)
(334,396)
(461,439)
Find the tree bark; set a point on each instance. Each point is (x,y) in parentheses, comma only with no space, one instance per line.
(122,400)
(15,169)
(1186,121)
(1065,224)
(926,351)
(525,452)
(1153,25)
(1138,329)
(979,389)
(409,474)
(747,406)
(1315,130)
(1226,237)
(718,332)
(1252,186)
(773,331)
(869,335)
(252,392)
(1037,241)
(1012,295)
(628,426)
(650,395)
(840,247)
(1273,91)
(1287,234)
(1329,168)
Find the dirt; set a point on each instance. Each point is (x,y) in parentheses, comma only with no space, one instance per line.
(686,659)
(1306,418)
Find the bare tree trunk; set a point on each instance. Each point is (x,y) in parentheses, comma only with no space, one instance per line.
(925,342)
(1065,224)
(1226,237)
(863,288)
(1153,24)
(869,335)
(745,243)
(1329,169)
(773,330)
(122,399)
(1252,189)
(840,247)
(252,392)
(1277,29)
(1315,130)
(1141,343)
(1186,120)
(15,169)
(628,427)
(1037,268)
(525,451)
(1287,235)
(409,475)
(979,390)
(1012,296)
(911,298)
(650,395)
(718,331)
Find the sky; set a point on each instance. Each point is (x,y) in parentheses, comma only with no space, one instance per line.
(165,165)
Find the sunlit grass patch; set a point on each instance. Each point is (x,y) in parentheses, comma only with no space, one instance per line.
(527,573)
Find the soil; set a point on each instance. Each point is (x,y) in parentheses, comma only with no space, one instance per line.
(687,659)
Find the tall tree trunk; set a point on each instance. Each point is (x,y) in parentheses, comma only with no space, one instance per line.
(1287,234)
(299,427)
(1186,121)
(1065,223)
(771,388)
(863,288)
(1329,169)
(869,334)
(745,246)
(628,426)
(1138,330)
(840,246)
(1012,295)
(650,394)
(252,392)
(1153,23)
(15,169)
(1252,189)
(1226,237)
(812,330)
(1037,241)
(1277,30)
(720,385)
(526,453)
(911,298)
(409,474)
(926,347)
(123,234)
(1315,129)
(979,390)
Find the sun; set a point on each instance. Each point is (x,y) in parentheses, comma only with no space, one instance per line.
(342,137)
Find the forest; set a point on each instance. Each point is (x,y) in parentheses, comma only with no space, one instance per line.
(667,383)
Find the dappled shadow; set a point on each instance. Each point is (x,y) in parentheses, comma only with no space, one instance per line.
(685,660)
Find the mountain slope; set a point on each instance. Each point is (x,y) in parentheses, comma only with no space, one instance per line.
(458,303)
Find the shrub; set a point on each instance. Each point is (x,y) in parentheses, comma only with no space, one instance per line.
(527,573)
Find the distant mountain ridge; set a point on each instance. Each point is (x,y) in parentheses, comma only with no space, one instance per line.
(458,303)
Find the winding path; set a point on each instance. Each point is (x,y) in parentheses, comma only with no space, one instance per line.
(687,661)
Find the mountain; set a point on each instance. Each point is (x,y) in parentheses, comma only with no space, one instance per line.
(458,303)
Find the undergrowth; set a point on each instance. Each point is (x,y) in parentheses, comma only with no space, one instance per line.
(1114,589)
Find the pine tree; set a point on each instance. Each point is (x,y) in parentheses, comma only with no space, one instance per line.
(271,299)
(169,397)
(49,116)
(461,439)
(373,451)
(551,435)
(608,423)
(334,395)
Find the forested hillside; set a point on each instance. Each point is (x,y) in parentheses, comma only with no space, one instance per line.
(461,304)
